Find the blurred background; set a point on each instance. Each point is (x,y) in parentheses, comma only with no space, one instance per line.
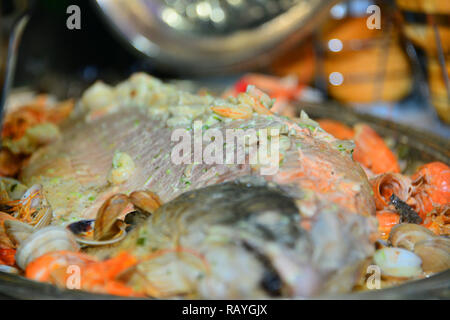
(392,63)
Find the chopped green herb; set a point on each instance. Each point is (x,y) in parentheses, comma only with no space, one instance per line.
(148,180)
(140,241)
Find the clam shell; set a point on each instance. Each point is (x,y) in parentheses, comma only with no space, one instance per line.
(107,216)
(397,262)
(45,240)
(17,231)
(146,201)
(435,254)
(81,231)
(46,217)
(14,188)
(8,269)
(406,235)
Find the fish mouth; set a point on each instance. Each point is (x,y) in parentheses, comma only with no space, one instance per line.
(271,281)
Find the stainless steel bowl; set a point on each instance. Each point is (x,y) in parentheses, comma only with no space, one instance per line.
(211,36)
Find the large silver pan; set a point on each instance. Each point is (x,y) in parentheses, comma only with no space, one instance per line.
(422,147)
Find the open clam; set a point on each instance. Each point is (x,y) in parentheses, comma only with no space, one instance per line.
(406,235)
(106,228)
(435,254)
(84,232)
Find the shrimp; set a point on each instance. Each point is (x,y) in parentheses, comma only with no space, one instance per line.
(33,208)
(18,122)
(438,220)
(386,221)
(431,187)
(96,276)
(337,129)
(372,152)
(370,149)
(427,191)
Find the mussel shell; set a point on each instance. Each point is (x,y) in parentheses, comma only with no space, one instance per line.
(406,235)
(43,241)
(435,254)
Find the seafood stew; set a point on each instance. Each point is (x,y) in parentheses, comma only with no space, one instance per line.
(99,190)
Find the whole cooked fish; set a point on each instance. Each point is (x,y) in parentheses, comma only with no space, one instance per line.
(243,239)
(299,231)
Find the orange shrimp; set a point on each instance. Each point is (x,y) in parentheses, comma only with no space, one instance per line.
(438,220)
(60,112)
(372,152)
(17,122)
(96,276)
(432,187)
(337,129)
(386,221)
(22,209)
(43,268)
